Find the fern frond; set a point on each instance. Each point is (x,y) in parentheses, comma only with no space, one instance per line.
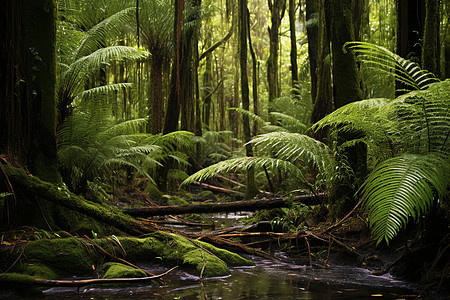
(403,187)
(289,122)
(109,28)
(384,60)
(243,164)
(250,115)
(297,149)
(104,89)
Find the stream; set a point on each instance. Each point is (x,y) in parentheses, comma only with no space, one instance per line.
(268,279)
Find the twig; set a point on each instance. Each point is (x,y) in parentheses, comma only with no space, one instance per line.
(83,282)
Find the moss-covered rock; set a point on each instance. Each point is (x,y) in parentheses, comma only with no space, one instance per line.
(38,270)
(53,258)
(67,256)
(118,270)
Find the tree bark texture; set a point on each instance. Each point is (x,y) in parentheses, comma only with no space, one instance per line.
(323,103)
(312,31)
(347,82)
(277,8)
(294,67)
(28,79)
(431,53)
(245,93)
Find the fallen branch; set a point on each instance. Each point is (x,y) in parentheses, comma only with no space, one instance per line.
(26,280)
(219,189)
(248,205)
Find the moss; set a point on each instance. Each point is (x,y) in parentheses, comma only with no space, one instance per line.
(20,282)
(38,271)
(67,256)
(118,270)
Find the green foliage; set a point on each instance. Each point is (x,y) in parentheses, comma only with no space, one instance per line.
(402,187)
(408,142)
(381,59)
(92,145)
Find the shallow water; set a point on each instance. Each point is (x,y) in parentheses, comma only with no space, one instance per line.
(266,280)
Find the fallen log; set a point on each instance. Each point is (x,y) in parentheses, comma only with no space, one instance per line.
(33,186)
(248,205)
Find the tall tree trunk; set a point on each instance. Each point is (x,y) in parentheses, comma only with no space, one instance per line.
(243,27)
(207,83)
(277,9)
(431,45)
(347,88)
(155,121)
(173,102)
(28,96)
(346,77)
(312,31)
(254,77)
(323,104)
(294,68)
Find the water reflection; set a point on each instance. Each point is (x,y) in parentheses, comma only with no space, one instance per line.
(267,280)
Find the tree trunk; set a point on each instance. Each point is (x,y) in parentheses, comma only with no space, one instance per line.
(173,103)
(156,114)
(346,78)
(312,30)
(28,106)
(294,68)
(248,205)
(323,104)
(254,77)
(347,88)
(410,21)
(277,8)
(252,190)
(431,45)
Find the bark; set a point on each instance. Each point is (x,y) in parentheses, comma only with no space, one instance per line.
(156,114)
(277,8)
(312,31)
(323,104)
(347,81)
(207,83)
(248,205)
(410,20)
(294,68)
(173,102)
(243,27)
(431,45)
(28,81)
(254,77)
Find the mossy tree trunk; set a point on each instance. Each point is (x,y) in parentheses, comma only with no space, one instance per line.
(323,104)
(347,88)
(431,45)
(28,106)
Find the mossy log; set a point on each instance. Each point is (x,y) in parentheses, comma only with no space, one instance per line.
(248,205)
(62,257)
(64,198)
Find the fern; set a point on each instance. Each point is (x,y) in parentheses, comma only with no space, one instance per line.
(242,164)
(380,58)
(403,187)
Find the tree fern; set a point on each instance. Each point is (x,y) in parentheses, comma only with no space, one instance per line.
(403,187)
(380,58)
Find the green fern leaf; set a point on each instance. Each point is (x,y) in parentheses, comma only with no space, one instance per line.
(403,187)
